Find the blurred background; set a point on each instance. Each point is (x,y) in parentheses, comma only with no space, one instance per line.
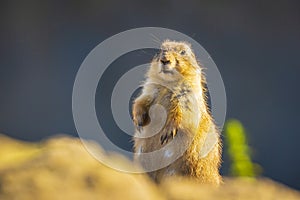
(255,45)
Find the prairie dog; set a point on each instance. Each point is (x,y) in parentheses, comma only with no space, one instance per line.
(175,82)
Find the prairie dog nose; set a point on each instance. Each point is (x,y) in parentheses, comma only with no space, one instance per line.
(164,60)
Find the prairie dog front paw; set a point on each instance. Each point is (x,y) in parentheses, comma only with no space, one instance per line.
(140,115)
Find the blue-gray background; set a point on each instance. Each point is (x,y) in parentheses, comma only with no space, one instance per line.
(255,45)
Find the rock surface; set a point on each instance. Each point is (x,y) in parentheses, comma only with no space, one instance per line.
(61,168)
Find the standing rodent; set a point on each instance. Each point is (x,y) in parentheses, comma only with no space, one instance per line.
(175,81)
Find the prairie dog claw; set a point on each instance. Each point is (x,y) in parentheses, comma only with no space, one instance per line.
(165,137)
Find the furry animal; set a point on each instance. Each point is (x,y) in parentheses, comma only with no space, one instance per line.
(175,133)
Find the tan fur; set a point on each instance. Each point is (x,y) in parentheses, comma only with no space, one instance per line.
(179,89)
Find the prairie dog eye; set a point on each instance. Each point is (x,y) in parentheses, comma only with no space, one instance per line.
(182,52)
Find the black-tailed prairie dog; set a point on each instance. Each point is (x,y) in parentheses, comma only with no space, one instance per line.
(187,142)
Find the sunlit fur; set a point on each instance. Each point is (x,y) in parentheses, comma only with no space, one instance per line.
(180,90)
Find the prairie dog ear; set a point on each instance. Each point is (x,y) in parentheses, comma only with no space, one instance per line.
(210,141)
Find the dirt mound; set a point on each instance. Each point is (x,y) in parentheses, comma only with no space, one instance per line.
(61,168)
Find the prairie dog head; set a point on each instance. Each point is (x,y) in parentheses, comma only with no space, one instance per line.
(176,61)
